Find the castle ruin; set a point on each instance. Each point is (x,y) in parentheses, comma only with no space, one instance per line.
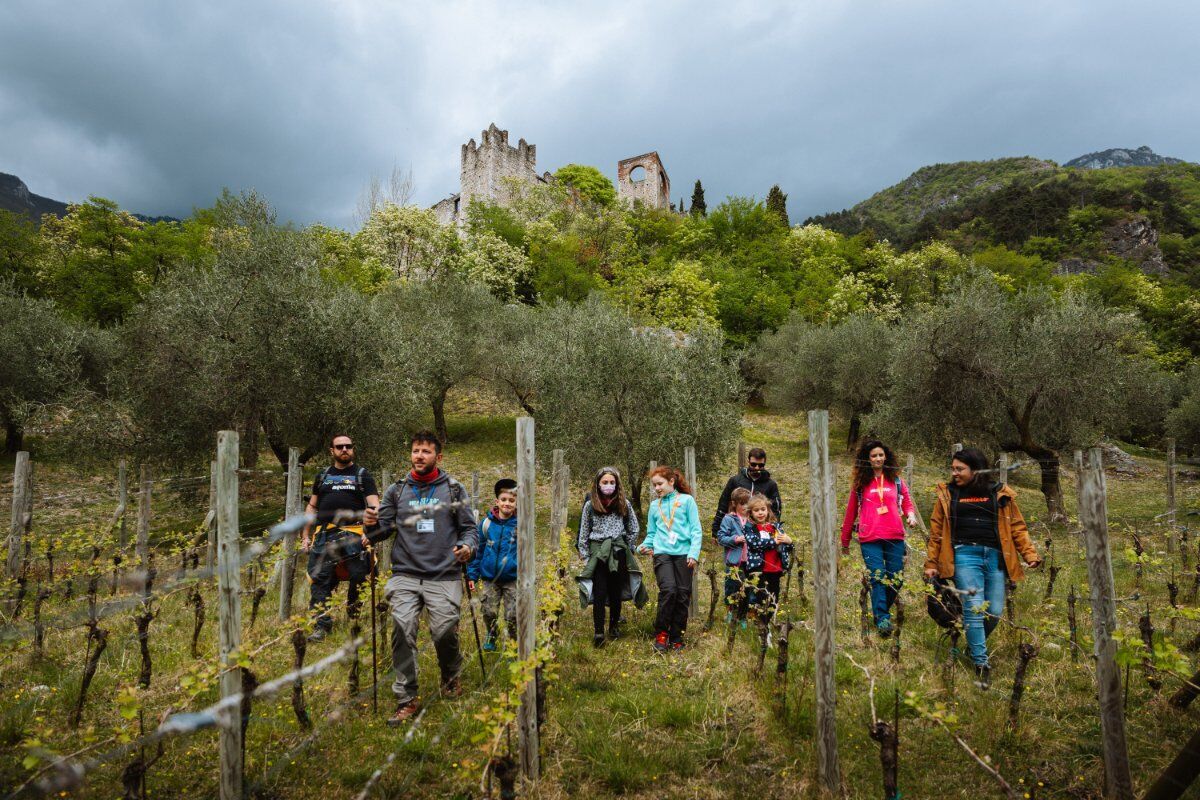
(484,169)
(644,178)
(493,170)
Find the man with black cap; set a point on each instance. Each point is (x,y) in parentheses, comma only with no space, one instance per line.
(495,562)
(754,479)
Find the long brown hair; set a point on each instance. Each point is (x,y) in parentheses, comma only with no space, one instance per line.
(620,506)
(674,475)
(862,474)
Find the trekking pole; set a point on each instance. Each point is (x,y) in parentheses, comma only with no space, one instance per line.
(374,638)
(474,625)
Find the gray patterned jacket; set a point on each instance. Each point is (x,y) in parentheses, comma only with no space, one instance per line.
(595,527)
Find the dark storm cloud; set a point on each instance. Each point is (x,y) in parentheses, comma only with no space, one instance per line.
(160,105)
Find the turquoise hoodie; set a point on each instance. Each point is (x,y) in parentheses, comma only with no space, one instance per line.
(673,526)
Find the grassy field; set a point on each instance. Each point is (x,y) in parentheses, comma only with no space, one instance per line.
(622,721)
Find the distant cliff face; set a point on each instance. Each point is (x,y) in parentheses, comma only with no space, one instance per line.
(1120,157)
(15,196)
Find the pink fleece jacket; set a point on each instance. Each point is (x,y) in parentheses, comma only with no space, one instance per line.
(873,526)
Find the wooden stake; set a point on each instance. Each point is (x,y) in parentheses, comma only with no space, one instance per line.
(1093,514)
(22,512)
(741,456)
(229,610)
(689,472)
(287,558)
(1002,469)
(1172,534)
(145,514)
(558,498)
(527,604)
(210,519)
(825,599)
(122,505)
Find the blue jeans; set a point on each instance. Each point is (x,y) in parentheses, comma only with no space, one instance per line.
(981,579)
(885,563)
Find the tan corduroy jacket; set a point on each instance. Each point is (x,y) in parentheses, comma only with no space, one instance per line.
(1014,535)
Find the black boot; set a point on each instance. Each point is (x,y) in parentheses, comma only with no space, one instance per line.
(598,639)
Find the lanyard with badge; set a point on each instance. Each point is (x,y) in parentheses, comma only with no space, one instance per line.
(425,523)
(882,509)
(669,523)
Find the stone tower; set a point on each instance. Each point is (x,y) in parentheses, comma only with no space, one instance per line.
(483,170)
(644,178)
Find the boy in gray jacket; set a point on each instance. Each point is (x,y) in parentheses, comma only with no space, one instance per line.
(430,515)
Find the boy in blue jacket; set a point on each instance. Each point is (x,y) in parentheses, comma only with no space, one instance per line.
(495,561)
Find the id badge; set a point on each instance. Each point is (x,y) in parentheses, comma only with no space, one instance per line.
(425,525)
(881,510)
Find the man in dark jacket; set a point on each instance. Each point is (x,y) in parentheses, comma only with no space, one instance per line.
(756,480)
(430,515)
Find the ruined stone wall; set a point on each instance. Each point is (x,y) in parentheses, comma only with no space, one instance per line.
(653,190)
(487,164)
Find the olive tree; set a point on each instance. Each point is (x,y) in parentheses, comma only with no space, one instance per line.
(1027,373)
(42,360)
(437,334)
(256,341)
(842,367)
(1183,422)
(610,393)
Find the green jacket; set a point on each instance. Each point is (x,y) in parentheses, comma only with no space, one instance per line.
(606,551)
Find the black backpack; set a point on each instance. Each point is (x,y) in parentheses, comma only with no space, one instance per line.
(943,604)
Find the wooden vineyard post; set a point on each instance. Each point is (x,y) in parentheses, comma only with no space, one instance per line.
(287,557)
(741,456)
(383,554)
(824,564)
(145,514)
(1002,469)
(210,520)
(122,506)
(558,498)
(1093,516)
(689,472)
(22,512)
(229,610)
(1172,533)
(527,602)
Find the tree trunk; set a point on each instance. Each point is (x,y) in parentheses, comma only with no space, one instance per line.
(250,443)
(634,494)
(439,414)
(1051,487)
(853,432)
(14,438)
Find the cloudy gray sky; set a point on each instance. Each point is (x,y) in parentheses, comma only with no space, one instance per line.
(159,105)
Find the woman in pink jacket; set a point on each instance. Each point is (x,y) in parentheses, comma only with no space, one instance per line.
(877,509)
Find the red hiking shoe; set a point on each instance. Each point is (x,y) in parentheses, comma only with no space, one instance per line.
(660,642)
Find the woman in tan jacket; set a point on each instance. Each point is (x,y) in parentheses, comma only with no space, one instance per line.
(978,538)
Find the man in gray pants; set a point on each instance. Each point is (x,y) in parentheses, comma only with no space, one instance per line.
(430,514)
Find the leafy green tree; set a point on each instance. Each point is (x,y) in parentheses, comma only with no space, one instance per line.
(493,262)
(842,367)
(591,184)
(87,261)
(1024,372)
(675,295)
(610,393)
(20,252)
(409,242)
(777,205)
(41,360)
(699,207)
(341,260)
(1183,421)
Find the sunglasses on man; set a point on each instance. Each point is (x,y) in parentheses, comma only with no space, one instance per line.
(343,447)
(757,465)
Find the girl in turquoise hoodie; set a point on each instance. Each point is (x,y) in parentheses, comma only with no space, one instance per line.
(673,535)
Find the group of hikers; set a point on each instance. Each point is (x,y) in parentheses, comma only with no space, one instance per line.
(977,542)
